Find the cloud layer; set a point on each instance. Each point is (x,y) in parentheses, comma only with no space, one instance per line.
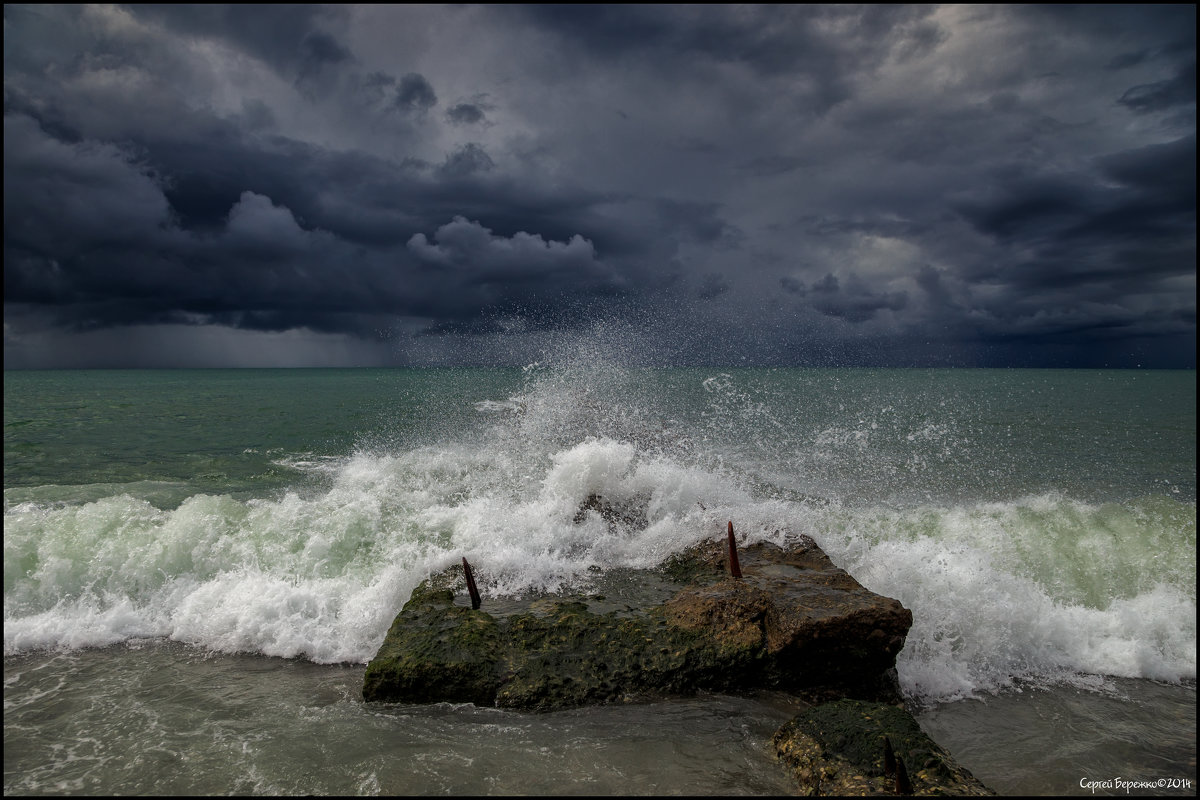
(888,185)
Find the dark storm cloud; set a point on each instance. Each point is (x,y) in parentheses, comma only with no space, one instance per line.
(465,114)
(1100,240)
(291,37)
(465,161)
(468,246)
(772,40)
(415,93)
(318,47)
(284,254)
(772,165)
(855,303)
(1159,95)
(774,184)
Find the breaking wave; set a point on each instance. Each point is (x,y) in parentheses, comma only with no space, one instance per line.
(1034,587)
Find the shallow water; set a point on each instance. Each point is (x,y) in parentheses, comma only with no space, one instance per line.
(1051,740)
(1048,740)
(164,718)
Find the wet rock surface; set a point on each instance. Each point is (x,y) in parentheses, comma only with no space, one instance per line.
(820,632)
(794,621)
(841,748)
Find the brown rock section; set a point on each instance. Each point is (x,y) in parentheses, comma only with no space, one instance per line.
(821,632)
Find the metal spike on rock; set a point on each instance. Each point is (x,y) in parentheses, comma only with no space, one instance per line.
(903,785)
(475,601)
(889,757)
(735,569)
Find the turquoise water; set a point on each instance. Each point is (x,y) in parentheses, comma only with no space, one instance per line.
(252,532)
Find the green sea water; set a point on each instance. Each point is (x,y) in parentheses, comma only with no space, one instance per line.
(198,564)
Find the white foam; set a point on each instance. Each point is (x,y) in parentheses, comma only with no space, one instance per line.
(988,609)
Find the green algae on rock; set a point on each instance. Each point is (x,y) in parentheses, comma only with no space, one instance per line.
(436,651)
(838,748)
(794,621)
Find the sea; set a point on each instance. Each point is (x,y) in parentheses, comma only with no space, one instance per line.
(198,565)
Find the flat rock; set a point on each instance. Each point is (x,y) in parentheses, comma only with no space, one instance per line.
(794,621)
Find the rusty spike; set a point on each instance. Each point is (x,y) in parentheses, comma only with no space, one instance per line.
(475,601)
(735,569)
(903,785)
(889,757)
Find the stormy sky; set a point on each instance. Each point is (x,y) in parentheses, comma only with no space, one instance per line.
(246,185)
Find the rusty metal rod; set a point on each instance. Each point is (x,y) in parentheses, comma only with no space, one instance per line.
(735,569)
(903,785)
(474,592)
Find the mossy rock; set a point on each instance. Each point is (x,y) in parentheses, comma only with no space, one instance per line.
(559,657)
(436,651)
(837,748)
(794,621)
